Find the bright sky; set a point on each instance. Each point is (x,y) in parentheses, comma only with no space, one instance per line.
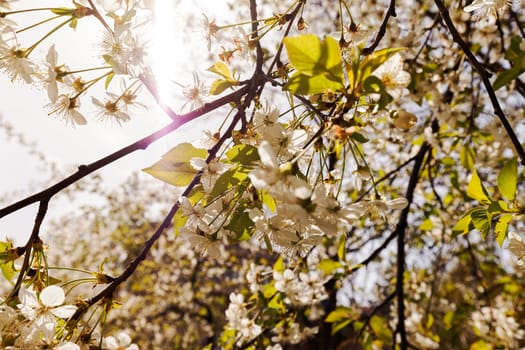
(22,106)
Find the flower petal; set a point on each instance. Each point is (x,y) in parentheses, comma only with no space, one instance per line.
(65,311)
(52,296)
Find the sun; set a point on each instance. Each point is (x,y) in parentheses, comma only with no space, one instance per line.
(167,38)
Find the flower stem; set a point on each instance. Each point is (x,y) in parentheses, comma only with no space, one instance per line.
(32,47)
(37,24)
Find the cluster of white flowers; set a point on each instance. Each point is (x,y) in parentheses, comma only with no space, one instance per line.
(38,322)
(303,215)
(498,323)
(306,289)
(237,316)
(122,51)
(289,188)
(205,225)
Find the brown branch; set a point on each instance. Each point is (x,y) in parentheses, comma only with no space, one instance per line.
(133,265)
(277,57)
(34,238)
(255,35)
(254,84)
(390,12)
(409,196)
(386,177)
(84,170)
(400,231)
(485,75)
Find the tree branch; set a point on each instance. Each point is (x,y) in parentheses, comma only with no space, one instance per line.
(400,231)
(390,12)
(480,69)
(84,170)
(34,238)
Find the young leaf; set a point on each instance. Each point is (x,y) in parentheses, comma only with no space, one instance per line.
(372,62)
(7,257)
(341,317)
(341,248)
(318,64)
(328,266)
(508,179)
(109,78)
(311,56)
(304,85)
(174,167)
(481,220)
(277,303)
(463,226)
(517,57)
(466,157)
(230,178)
(476,190)
(221,69)
(500,229)
(240,222)
(243,154)
(219,85)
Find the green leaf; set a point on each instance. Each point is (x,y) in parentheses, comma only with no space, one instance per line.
(500,228)
(466,157)
(328,266)
(380,328)
(476,190)
(480,345)
(179,220)
(341,248)
(279,265)
(268,200)
(240,222)
(232,177)
(508,179)
(481,220)
(311,56)
(8,255)
(108,59)
(463,226)
(309,85)
(426,225)
(277,303)
(174,167)
(341,317)
(318,64)
(507,76)
(359,137)
(371,62)
(221,69)
(341,313)
(74,22)
(517,57)
(219,85)
(109,78)
(374,85)
(243,154)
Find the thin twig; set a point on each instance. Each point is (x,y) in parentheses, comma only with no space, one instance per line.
(42,211)
(390,12)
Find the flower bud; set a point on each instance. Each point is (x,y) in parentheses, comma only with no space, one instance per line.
(404,120)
